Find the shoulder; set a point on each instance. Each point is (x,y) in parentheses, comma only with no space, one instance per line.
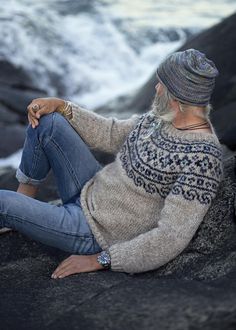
(201,173)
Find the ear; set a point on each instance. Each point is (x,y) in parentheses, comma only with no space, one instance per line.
(174,105)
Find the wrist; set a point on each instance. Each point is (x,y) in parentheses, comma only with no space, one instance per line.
(95,262)
(104,259)
(65,109)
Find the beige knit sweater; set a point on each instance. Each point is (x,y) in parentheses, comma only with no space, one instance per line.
(145,207)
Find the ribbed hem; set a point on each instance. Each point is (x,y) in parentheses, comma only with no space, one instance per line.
(115,260)
(22,178)
(83,197)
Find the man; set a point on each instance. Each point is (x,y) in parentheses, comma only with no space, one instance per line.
(141,211)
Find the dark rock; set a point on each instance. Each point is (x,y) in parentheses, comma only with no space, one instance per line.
(17,89)
(7,116)
(12,138)
(14,76)
(194,291)
(17,100)
(47,192)
(224,122)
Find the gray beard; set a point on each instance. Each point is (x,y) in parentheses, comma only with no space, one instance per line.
(161,108)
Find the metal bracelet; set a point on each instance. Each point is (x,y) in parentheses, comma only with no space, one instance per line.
(66,109)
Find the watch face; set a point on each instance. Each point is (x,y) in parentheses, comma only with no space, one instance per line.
(104,259)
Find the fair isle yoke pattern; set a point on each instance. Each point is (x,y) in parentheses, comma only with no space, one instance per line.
(146,205)
(164,163)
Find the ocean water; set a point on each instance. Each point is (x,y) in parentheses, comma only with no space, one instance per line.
(91,51)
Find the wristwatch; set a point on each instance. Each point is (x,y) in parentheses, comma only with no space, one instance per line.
(104,259)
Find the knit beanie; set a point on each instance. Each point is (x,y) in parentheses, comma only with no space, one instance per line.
(189,76)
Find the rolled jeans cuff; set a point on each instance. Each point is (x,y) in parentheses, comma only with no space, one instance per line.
(22,178)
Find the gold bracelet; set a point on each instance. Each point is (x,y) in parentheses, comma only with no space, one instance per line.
(65,109)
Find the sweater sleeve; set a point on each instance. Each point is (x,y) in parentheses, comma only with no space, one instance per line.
(183,212)
(101,133)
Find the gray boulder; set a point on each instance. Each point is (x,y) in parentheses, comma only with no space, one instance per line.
(12,138)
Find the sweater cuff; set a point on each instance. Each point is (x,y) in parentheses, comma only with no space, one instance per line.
(115,259)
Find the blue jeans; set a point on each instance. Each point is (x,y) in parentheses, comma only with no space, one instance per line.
(55,145)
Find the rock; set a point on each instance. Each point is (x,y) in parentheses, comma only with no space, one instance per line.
(224,122)
(47,192)
(18,100)
(13,76)
(7,116)
(17,89)
(12,138)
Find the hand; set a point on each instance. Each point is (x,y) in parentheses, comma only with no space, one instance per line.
(77,264)
(42,106)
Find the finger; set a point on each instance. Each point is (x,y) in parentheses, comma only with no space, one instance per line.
(34,101)
(32,112)
(72,269)
(65,262)
(69,269)
(43,111)
(61,268)
(29,120)
(67,273)
(34,121)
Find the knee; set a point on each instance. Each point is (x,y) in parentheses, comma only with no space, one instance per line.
(43,129)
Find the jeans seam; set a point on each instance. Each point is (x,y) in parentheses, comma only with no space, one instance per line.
(67,164)
(45,228)
(40,146)
(34,161)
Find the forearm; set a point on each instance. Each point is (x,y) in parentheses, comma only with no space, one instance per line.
(104,134)
(179,220)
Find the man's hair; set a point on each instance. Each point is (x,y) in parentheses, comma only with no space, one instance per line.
(161,107)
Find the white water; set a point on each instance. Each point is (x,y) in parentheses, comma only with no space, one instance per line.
(92,51)
(11,161)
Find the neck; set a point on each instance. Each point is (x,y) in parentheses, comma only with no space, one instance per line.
(187,118)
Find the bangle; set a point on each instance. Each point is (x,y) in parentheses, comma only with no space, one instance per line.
(65,109)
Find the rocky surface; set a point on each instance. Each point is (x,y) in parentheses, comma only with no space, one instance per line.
(196,290)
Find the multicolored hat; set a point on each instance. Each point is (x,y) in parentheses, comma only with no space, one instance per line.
(189,76)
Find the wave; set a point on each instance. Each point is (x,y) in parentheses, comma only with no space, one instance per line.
(84,57)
